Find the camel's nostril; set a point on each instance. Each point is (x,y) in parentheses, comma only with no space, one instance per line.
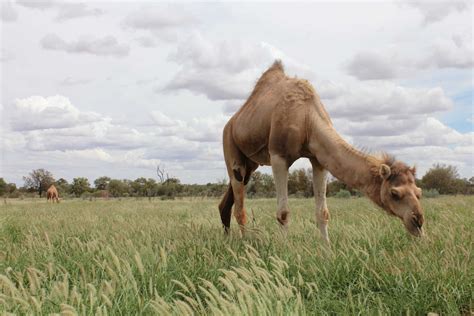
(416,222)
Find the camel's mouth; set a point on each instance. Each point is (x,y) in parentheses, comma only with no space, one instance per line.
(414,225)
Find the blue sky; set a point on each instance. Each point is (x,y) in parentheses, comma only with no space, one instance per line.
(117,88)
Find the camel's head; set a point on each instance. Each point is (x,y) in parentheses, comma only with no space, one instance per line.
(401,197)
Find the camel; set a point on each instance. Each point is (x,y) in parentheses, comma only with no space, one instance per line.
(284,120)
(52,194)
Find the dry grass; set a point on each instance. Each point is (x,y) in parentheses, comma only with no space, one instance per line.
(170,257)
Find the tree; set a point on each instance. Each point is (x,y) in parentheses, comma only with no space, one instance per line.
(261,185)
(442,178)
(150,187)
(300,183)
(170,188)
(462,186)
(79,186)
(102,183)
(117,188)
(7,189)
(11,187)
(63,186)
(3,187)
(38,180)
(138,187)
(335,186)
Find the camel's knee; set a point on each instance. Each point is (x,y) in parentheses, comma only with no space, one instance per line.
(322,217)
(239,171)
(241,217)
(283,216)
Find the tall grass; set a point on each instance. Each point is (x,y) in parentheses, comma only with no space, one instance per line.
(171,257)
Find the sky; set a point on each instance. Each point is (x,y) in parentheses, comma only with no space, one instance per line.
(112,88)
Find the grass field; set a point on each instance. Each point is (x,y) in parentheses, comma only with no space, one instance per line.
(171,257)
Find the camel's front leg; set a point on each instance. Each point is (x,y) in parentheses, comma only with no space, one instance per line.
(280,174)
(319,187)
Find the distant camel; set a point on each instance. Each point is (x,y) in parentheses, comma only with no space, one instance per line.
(52,194)
(283,120)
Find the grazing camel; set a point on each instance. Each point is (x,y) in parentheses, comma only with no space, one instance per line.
(52,194)
(283,120)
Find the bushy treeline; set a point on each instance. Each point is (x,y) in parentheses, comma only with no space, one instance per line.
(440,179)
(105,187)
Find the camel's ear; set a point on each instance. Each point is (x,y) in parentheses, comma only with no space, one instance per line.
(384,171)
(413,170)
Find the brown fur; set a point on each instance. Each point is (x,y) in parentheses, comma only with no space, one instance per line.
(284,117)
(52,194)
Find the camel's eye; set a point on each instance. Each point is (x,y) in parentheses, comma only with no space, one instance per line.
(418,193)
(395,195)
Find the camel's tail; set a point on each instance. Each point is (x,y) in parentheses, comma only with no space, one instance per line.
(225,208)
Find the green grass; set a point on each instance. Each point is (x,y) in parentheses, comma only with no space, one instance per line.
(171,257)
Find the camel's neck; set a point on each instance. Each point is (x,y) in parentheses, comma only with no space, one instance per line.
(346,163)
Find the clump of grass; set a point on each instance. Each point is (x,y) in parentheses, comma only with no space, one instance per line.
(171,257)
(343,194)
(431,193)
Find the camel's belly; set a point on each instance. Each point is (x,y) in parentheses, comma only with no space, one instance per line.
(262,157)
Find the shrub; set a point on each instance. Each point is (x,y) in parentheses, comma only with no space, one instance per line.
(343,194)
(431,193)
(87,196)
(15,194)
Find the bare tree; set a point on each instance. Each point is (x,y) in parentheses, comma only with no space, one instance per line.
(162,175)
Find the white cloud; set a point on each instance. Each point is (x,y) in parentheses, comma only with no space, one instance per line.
(225,70)
(380,98)
(65,10)
(215,85)
(70,81)
(99,134)
(53,127)
(206,129)
(8,12)
(105,46)
(53,123)
(370,65)
(386,133)
(131,158)
(69,11)
(231,106)
(435,11)
(146,41)
(455,51)
(162,120)
(6,56)
(422,140)
(163,21)
(425,156)
(35,4)
(37,112)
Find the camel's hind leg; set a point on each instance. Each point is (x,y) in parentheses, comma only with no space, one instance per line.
(239,169)
(319,187)
(280,174)
(225,208)
(238,188)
